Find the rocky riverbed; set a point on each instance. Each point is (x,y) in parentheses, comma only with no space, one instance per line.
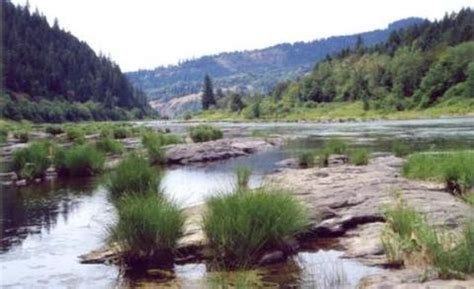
(346,203)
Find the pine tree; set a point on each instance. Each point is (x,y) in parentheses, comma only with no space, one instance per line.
(208,99)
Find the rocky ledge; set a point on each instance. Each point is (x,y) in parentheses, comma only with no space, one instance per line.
(222,149)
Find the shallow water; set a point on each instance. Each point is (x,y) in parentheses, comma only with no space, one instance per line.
(45,227)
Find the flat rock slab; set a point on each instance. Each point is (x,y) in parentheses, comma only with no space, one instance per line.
(350,200)
(222,149)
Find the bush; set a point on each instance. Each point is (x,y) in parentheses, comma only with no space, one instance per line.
(33,161)
(108,145)
(54,130)
(242,174)
(203,133)
(400,149)
(359,156)
(75,135)
(456,169)
(306,159)
(21,136)
(134,176)
(121,133)
(242,225)
(79,160)
(147,230)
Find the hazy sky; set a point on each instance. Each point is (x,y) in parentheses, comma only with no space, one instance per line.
(147,33)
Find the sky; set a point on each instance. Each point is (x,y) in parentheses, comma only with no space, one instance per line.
(144,34)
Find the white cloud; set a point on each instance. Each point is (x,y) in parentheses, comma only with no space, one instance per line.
(148,33)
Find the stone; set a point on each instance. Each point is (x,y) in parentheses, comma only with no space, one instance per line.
(21,183)
(272,258)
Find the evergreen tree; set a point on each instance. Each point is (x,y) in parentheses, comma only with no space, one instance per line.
(208,99)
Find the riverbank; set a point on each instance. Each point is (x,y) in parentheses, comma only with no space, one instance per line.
(347,111)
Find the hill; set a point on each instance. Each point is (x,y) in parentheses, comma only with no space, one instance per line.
(51,76)
(254,70)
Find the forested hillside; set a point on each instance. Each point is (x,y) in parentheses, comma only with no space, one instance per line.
(51,76)
(255,70)
(417,67)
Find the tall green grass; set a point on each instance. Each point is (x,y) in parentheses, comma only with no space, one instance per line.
(242,175)
(203,133)
(147,230)
(336,146)
(400,149)
(109,145)
(33,161)
(134,175)
(306,159)
(359,156)
(79,161)
(153,143)
(456,169)
(76,135)
(54,129)
(241,225)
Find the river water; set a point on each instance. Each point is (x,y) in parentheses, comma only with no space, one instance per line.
(45,227)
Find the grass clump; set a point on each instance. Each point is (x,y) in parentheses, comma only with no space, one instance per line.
(306,159)
(134,175)
(109,145)
(79,161)
(21,136)
(203,133)
(336,146)
(400,149)
(75,135)
(408,238)
(456,169)
(242,225)
(121,132)
(147,230)
(54,130)
(359,156)
(3,135)
(33,161)
(242,174)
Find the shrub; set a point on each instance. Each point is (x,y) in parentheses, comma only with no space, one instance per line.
(79,160)
(203,133)
(108,145)
(134,176)
(242,225)
(242,175)
(121,133)
(75,135)
(359,156)
(147,230)
(21,136)
(306,159)
(33,161)
(456,169)
(54,130)
(400,149)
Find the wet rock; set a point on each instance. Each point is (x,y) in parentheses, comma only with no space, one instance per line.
(21,183)
(160,273)
(214,150)
(288,163)
(272,258)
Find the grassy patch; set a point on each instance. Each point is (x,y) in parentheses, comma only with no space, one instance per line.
(203,133)
(79,161)
(456,169)
(147,230)
(75,135)
(407,238)
(400,149)
(54,129)
(134,175)
(33,161)
(21,136)
(336,146)
(241,225)
(109,145)
(306,159)
(242,174)
(359,156)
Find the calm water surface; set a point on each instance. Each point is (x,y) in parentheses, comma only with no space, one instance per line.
(45,227)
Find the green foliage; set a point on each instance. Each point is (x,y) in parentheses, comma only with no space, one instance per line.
(109,145)
(208,98)
(33,161)
(148,229)
(79,160)
(121,133)
(239,226)
(3,135)
(54,129)
(203,133)
(242,174)
(323,157)
(134,175)
(454,168)
(359,156)
(21,136)
(400,149)
(306,159)
(75,135)
(336,146)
